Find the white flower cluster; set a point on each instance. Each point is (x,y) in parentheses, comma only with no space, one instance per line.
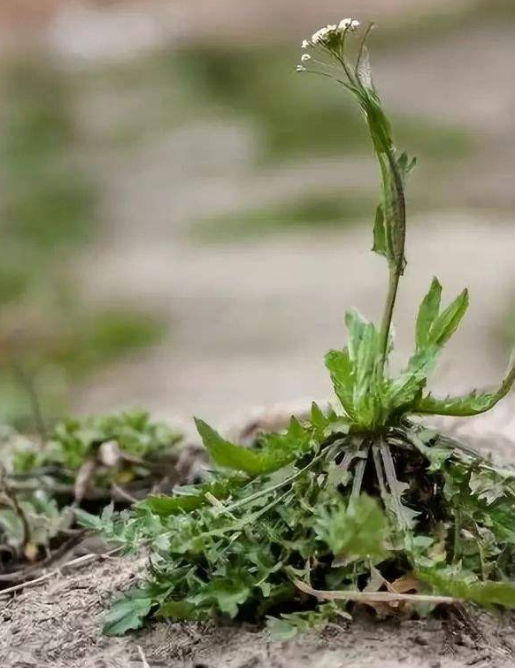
(330,30)
(325,35)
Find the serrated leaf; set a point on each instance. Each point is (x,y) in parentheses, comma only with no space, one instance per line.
(127,613)
(291,624)
(428,313)
(227,594)
(317,418)
(362,336)
(354,371)
(502,521)
(403,390)
(354,532)
(229,455)
(189,498)
(87,520)
(486,486)
(405,515)
(448,321)
(364,352)
(163,505)
(278,450)
(341,370)
(471,404)
(468,405)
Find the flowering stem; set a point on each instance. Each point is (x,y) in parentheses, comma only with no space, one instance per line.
(341,58)
(391,225)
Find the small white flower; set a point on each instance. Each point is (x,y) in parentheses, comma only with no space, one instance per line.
(322,33)
(301,68)
(305,56)
(305,44)
(319,35)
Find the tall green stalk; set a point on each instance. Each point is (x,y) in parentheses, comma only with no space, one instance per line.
(390,228)
(368,394)
(396,267)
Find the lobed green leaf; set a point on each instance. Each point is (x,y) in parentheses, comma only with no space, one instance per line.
(189,498)
(227,593)
(468,405)
(127,613)
(428,313)
(404,389)
(341,370)
(448,321)
(353,532)
(278,449)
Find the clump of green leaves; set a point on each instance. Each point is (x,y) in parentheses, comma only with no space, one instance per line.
(358,504)
(73,441)
(346,517)
(85,462)
(48,213)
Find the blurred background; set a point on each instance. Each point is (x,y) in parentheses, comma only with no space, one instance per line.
(184,219)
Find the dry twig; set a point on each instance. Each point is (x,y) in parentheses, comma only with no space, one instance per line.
(143,658)
(371,597)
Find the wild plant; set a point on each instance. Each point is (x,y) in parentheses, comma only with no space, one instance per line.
(360,504)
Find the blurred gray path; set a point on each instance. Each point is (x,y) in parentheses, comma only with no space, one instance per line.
(250,322)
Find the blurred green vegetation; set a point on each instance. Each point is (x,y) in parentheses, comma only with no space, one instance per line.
(294,119)
(256,83)
(308,211)
(47,214)
(71,442)
(48,203)
(316,211)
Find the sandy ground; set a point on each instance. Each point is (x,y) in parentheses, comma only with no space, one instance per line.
(58,626)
